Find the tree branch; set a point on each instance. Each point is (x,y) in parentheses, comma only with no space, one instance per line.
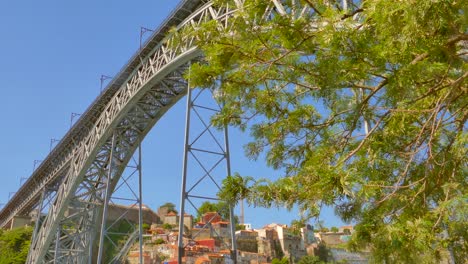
(352,13)
(364,140)
(313,7)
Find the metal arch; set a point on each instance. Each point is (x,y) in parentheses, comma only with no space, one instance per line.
(166,59)
(149,114)
(58,162)
(129,107)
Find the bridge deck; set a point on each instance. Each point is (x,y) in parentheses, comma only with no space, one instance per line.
(16,205)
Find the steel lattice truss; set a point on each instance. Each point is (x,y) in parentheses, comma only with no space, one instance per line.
(94,153)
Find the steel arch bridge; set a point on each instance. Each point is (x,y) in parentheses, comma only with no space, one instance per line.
(95,151)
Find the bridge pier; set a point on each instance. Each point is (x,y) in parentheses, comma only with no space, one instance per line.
(206,155)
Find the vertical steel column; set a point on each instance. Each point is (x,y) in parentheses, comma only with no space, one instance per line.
(221,152)
(57,245)
(140,202)
(38,217)
(183,192)
(46,199)
(231,208)
(106,202)
(90,251)
(127,189)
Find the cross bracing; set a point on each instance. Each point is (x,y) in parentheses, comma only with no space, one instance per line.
(57,162)
(93,154)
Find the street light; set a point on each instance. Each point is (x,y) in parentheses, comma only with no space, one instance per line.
(22,179)
(143,31)
(52,141)
(35,164)
(73,115)
(103,79)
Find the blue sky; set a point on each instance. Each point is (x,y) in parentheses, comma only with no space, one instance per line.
(52,54)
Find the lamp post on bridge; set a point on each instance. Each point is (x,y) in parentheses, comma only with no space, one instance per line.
(35,164)
(52,141)
(143,31)
(103,79)
(22,179)
(73,115)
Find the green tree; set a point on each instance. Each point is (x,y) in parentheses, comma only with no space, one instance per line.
(159,241)
(206,207)
(324,229)
(167,226)
(220,207)
(364,107)
(296,226)
(334,229)
(310,260)
(323,252)
(117,235)
(239,226)
(170,207)
(280,261)
(14,245)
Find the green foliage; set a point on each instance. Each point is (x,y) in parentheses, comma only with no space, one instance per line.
(222,208)
(163,257)
(310,260)
(206,207)
(296,226)
(170,207)
(324,229)
(278,250)
(323,252)
(280,261)
(14,245)
(159,241)
(117,235)
(334,229)
(364,109)
(167,226)
(240,227)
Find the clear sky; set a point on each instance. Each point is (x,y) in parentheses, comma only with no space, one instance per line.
(52,54)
